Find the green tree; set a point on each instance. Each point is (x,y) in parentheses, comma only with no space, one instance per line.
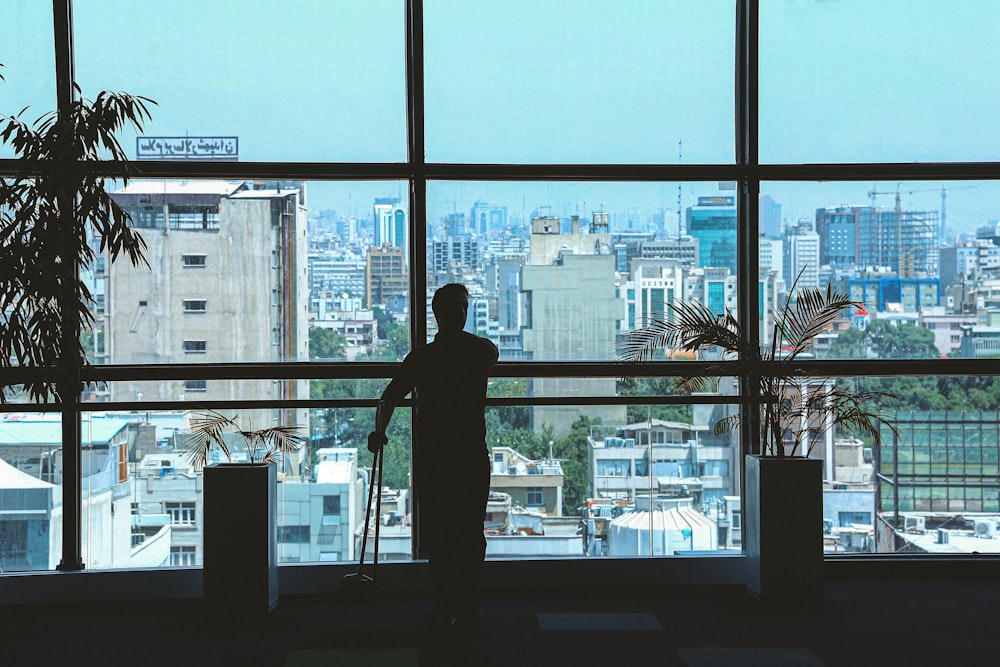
(903,341)
(654,387)
(398,342)
(327,344)
(355,424)
(572,453)
(383,320)
(851,343)
(507,417)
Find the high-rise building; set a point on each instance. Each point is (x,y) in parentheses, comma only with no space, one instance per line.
(386,278)
(652,284)
(627,246)
(573,313)
(900,241)
(456,224)
(714,288)
(503,282)
(486,218)
(770,254)
(390,220)
(800,261)
(838,229)
(452,257)
(908,295)
(713,223)
(684,250)
(769,212)
(227,284)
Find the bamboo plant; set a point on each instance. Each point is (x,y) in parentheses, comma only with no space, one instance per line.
(796,408)
(53,212)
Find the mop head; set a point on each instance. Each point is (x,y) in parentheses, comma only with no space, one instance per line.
(357,586)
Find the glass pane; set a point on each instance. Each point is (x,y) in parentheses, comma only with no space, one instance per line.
(857,81)
(136,463)
(31,480)
(246,271)
(303,81)
(567,82)
(27,53)
(955,505)
(321,512)
(616,481)
(921,256)
(557,271)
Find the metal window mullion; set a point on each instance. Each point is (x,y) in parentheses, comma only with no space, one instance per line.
(554,172)
(747,84)
(68,381)
(416,161)
(416,169)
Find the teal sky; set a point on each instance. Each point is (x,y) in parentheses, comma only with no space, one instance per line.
(554,81)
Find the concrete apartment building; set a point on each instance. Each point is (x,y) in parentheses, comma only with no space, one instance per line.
(387,279)
(31,486)
(573,313)
(683,466)
(228,282)
(316,518)
(801,256)
(652,283)
(534,485)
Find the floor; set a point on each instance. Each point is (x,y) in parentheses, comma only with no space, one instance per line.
(866,622)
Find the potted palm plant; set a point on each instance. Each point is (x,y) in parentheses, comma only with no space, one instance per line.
(783,516)
(240,567)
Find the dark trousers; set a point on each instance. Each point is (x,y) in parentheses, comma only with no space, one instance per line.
(452,510)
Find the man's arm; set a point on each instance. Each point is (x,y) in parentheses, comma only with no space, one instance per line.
(398,388)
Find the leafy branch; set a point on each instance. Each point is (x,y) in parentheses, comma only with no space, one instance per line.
(50,212)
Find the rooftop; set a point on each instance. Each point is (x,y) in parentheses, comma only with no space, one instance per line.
(152,187)
(46,429)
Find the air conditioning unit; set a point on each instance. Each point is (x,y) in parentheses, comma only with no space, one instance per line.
(914,523)
(944,536)
(984,528)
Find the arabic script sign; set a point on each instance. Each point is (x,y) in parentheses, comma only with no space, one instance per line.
(187,148)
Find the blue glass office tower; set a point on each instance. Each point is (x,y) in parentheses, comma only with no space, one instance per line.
(713,223)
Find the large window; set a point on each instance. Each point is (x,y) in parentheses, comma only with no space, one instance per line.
(851,81)
(579,166)
(579,81)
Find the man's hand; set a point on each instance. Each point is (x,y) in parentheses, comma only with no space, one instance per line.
(376,441)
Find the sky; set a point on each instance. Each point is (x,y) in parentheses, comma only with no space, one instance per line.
(644,81)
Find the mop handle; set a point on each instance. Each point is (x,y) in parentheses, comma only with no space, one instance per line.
(378,499)
(368,508)
(368,514)
(378,507)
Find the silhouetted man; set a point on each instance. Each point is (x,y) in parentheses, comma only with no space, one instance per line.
(451,466)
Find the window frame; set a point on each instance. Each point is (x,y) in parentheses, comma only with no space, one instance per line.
(747,172)
(195,346)
(182,513)
(192,264)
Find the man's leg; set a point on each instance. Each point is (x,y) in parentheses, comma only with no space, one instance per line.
(468,545)
(434,530)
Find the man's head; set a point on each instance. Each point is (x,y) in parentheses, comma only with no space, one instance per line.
(451,305)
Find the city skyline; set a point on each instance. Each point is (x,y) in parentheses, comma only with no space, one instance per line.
(968,203)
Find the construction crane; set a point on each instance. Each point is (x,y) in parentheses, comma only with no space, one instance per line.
(905,254)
